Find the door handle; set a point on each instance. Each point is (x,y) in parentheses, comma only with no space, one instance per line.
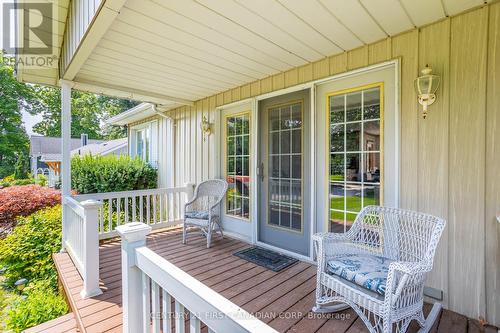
(260,171)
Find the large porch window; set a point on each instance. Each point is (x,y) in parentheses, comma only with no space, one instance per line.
(355,121)
(238,165)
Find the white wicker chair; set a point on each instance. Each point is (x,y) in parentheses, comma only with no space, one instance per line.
(404,240)
(202,210)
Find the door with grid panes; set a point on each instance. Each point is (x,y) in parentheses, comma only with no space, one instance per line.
(358,163)
(235,165)
(284,173)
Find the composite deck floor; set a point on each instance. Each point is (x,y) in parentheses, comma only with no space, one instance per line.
(283,300)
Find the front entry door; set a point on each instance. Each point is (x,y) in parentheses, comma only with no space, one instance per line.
(284,172)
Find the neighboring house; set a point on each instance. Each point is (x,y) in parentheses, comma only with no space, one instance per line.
(50,147)
(45,155)
(116,147)
(309,110)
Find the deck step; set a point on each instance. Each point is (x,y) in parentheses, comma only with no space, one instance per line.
(63,324)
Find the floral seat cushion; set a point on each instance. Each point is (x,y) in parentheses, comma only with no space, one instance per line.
(367,271)
(202,215)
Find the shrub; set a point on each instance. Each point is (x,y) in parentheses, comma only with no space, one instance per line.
(94,174)
(40,305)
(24,200)
(27,251)
(41,180)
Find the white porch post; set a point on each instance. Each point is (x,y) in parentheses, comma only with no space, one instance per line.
(91,249)
(133,235)
(65,172)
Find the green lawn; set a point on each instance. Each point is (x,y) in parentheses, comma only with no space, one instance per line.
(353,204)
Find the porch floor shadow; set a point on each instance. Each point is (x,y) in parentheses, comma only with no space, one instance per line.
(283,299)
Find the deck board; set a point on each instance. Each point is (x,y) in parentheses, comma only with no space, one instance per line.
(283,300)
(63,324)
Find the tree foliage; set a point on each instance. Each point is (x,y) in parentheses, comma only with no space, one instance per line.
(88,114)
(14,96)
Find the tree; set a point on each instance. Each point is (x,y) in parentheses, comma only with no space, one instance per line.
(14,96)
(112,107)
(88,114)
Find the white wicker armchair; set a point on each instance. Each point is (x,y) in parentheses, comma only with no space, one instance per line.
(398,245)
(202,210)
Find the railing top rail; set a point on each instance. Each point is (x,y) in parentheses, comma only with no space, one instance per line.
(74,205)
(197,297)
(125,194)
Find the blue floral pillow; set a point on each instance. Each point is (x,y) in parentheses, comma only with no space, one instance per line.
(367,271)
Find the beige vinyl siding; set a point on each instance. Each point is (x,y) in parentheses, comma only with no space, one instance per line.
(81,14)
(449,162)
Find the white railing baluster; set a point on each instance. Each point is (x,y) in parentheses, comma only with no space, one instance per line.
(146,303)
(141,208)
(148,209)
(180,326)
(154,209)
(166,312)
(110,214)
(101,217)
(194,324)
(178,204)
(155,306)
(118,217)
(160,197)
(134,217)
(126,209)
(168,204)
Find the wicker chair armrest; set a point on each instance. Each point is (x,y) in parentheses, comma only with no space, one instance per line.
(216,204)
(330,237)
(410,268)
(407,270)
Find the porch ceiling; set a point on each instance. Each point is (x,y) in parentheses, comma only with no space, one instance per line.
(181,51)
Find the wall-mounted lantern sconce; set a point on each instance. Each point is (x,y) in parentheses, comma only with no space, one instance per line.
(206,127)
(426,86)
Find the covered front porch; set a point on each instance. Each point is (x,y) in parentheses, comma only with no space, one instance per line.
(281,300)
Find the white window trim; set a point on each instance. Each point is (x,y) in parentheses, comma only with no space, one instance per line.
(152,126)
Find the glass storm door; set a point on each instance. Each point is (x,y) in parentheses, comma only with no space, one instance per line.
(283,164)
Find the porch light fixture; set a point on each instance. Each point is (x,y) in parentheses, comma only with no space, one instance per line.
(426,86)
(206,127)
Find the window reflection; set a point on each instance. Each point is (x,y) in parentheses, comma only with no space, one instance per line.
(355,155)
(238,165)
(285,166)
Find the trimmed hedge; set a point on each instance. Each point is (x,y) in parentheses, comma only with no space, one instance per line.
(97,174)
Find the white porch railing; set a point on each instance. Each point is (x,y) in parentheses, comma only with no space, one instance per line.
(90,217)
(156,207)
(81,241)
(150,284)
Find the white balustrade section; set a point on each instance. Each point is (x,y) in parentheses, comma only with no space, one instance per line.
(82,241)
(158,208)
(157,294)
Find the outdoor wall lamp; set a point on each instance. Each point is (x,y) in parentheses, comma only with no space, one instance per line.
(426,86)
(206,127)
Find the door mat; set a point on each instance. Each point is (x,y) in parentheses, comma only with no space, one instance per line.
(265,258)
